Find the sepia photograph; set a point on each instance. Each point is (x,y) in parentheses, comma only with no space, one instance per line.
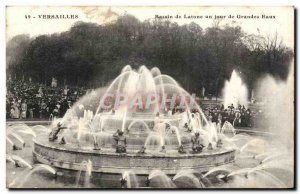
(150,97)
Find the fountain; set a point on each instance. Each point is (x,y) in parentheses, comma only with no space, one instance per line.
(235,91)
(157,122)
(150,111)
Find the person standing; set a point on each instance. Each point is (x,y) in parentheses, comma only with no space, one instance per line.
(36,109)
(16,111)
(66,90)
(12,112)
(29,109)
(237,119)
(248,118)
(54,83)
(43,110)
(24,109)
(219,123)
(55,112)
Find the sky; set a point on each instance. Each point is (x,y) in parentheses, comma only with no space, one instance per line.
(282,24)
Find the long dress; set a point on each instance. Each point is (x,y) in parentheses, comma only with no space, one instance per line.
(16,112)
(24,110)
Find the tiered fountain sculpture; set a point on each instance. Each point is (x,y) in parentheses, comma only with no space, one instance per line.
(144,121)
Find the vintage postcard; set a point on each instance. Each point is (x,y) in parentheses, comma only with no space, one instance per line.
(150,97)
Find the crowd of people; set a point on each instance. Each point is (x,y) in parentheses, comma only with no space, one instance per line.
(28,100)
(239,116)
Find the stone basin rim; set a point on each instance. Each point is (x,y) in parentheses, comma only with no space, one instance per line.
(218,151)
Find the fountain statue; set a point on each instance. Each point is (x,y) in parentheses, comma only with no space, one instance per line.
(196,145)
(53,134)
(120,141)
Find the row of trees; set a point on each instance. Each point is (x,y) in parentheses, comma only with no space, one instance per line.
(92,54)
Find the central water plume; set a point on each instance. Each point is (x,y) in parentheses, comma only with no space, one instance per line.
(235,91)
(142,103)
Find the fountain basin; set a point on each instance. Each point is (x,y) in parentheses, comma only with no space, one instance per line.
(71,156)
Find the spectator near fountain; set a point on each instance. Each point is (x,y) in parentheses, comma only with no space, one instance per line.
(54,83)
(238,117)
(24,109)
(31,100)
